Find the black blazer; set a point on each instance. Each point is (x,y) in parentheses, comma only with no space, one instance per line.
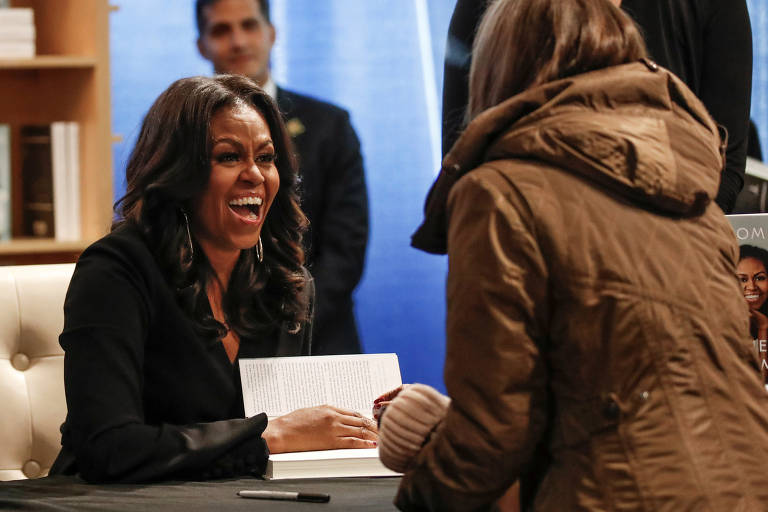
(335,199)
(148,398)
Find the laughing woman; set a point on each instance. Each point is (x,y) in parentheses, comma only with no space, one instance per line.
(204,266)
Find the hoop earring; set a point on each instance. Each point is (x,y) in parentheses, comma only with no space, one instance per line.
(189,236)
(259,251)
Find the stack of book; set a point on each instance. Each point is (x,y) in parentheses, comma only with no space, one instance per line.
(50,180)
(17,33)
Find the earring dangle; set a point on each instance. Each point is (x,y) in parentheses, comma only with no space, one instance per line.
(259,251)
(189,236)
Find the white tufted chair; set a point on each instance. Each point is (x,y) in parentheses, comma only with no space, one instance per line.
(31,368)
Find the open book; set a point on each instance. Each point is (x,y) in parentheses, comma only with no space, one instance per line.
(279,385)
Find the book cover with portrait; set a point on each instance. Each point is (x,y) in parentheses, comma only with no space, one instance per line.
(752,271)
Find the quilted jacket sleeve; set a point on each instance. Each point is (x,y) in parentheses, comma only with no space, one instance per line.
(495,371)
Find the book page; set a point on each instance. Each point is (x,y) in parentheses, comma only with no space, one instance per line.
(279,385)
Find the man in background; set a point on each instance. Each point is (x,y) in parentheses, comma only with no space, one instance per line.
(237,37)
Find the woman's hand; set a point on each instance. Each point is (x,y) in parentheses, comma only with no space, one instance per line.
(320,428)
(384,400)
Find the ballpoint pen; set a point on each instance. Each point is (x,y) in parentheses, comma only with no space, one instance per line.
(286,496)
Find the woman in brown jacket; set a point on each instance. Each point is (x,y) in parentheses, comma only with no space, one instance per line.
(597,341)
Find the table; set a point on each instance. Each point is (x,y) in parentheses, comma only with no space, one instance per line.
(67,493)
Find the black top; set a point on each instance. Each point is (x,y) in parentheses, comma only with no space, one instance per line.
(458,57)
(147,397)
(335,199)
(707,43)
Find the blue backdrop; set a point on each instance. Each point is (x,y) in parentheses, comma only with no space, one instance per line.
(380,60)
(758,14)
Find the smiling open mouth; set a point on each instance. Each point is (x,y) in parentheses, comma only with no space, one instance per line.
(248,208)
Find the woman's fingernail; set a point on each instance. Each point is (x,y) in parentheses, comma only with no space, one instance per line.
(376,406)
(377,400)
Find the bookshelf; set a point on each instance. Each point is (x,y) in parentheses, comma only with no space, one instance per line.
(68,80)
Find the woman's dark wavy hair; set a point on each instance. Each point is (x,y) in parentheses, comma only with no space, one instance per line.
(169,168)
(524,43)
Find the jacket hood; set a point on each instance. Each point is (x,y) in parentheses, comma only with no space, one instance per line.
(635,130)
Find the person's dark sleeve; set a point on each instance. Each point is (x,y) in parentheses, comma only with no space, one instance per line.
(726,86)
(107,316)
(339,261)
(461,33)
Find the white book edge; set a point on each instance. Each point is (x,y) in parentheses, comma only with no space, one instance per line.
(5,182)
(347,453)
(73,181)
(362,462)
(59,169)
(18,32)
(17,16)
(16,43)
(17,52)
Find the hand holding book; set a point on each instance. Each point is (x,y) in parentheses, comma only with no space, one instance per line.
(381,403)
(321,427)
(309,440)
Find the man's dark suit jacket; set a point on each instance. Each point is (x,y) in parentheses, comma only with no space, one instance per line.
(335,199)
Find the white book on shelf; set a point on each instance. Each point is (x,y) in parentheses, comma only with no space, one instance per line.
(5,182)
(17,16)
(17,49)
(59,175)
(66,180)
(73,181)
(279,385)
(21,32)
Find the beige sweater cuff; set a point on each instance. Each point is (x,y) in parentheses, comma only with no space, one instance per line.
(408,420)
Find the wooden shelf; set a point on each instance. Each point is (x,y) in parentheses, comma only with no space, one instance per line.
(50,62)
(68,80)
(19,246)
(37,251)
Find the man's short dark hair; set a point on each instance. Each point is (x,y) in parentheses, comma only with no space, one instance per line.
(202,4)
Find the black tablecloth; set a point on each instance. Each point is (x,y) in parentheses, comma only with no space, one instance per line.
(62,493)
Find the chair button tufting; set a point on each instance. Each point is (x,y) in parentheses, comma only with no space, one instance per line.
(31,469)
(20,361)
